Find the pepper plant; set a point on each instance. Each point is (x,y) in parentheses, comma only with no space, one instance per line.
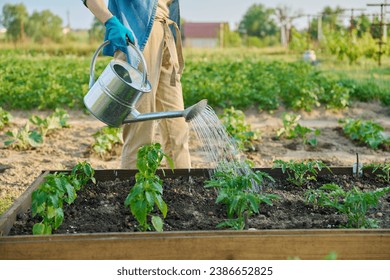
(354,203)
(48,199)
(238,193)
(300,173)
(147,191)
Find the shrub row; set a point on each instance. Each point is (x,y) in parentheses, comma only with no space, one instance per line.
(49,82)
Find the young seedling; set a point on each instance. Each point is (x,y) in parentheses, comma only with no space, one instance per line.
(5,118)
(238,129)
(381,170)
(55,121)
(147,191)
(353,203)
(292,129)
(240,196)
(106,139)
(48,199)
(300,173)
(23,139)
(368,133)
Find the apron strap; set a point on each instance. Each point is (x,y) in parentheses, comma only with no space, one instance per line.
(176,55)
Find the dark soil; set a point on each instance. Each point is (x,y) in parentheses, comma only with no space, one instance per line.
(100,208)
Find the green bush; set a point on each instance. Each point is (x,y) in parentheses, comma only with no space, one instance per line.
(35,79)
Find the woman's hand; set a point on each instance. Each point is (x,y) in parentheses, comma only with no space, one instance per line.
(118,34)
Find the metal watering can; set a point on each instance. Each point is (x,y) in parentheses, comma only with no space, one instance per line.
(112,98)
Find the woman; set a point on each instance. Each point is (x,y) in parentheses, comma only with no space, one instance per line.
(153,25)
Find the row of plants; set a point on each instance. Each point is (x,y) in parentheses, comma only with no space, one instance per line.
(45,82)
(236,191)
(24,138)
(363,132)
(143,197)
(266,85)
(366,132)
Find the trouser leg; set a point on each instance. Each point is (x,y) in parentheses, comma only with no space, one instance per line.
(174,132)
(163,97)
(138,134)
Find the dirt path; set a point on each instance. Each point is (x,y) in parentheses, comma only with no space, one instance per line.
(66,147)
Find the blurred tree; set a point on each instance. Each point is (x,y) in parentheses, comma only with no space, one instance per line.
(362,24)
(285,16)
(230,38)
(43,26)
(375,29)
(96,33)
(14,19)
(258,21)
(330,20)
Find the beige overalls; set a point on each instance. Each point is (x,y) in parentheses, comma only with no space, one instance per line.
(165,64)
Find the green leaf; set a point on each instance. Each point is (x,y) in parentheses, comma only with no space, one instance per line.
(48,230)
(157,223)
(38,202)
(254,203)
(149,198)
(162,206)
(59,217)
(71,193)
(135,192)
(38,228)
(170,162)
(140,210)
(156,183)
(35,139)
(222,196)
(54,200)
(50,212)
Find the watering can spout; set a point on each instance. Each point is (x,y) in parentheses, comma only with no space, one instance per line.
(188,114)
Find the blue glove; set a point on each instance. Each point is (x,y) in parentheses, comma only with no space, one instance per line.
(118,35)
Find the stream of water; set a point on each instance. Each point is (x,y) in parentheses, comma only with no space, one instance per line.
(219,147)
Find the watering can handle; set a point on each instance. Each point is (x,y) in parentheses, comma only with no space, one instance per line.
(93,63)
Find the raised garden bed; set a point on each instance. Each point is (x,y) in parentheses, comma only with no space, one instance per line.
(289,228)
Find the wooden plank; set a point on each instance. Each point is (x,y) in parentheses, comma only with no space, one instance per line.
(267,244)
(212,245)
(21,204)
